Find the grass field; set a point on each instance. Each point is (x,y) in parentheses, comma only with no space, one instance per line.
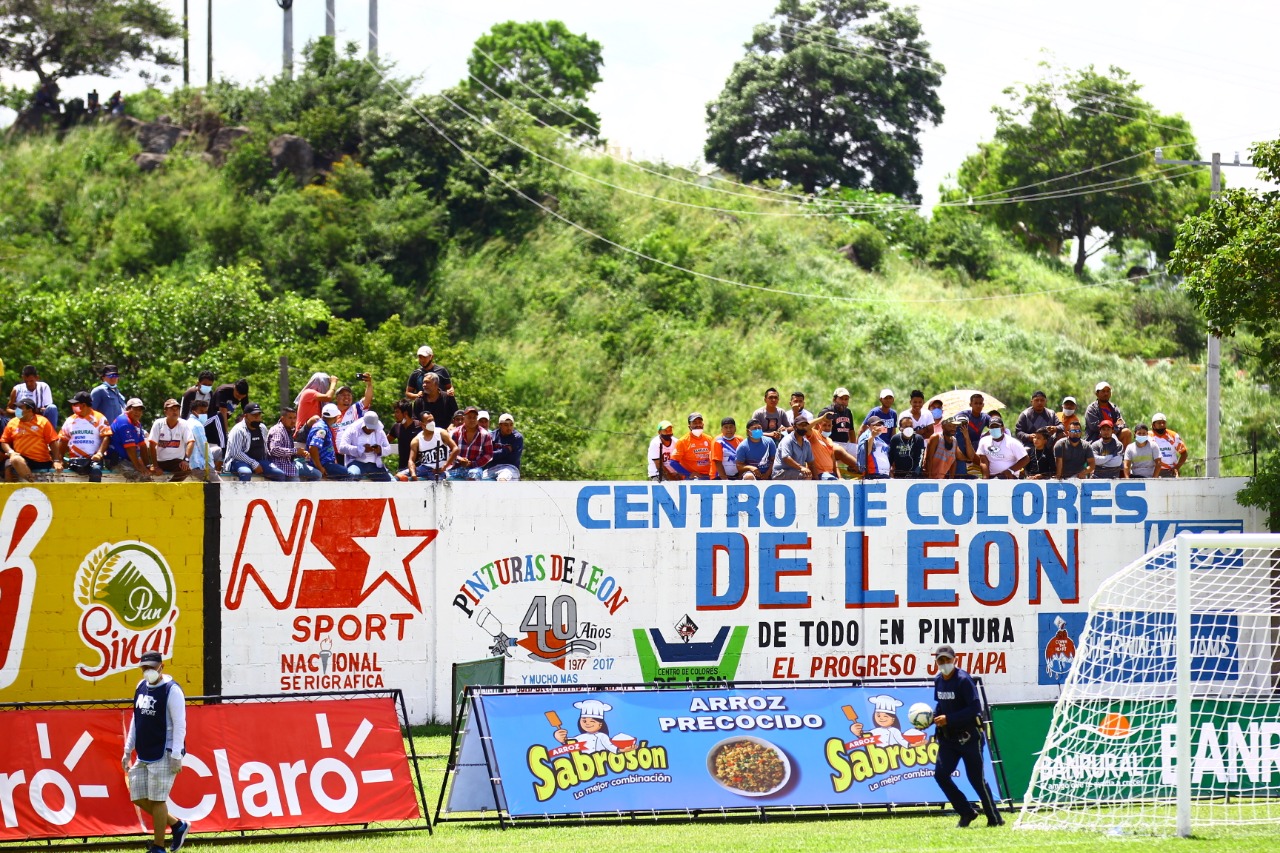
(873,834)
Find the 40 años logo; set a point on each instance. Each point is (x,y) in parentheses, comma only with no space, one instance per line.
(127,596)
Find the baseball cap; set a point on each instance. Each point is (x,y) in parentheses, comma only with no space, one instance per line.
(874,421)
(996,422)
(1107,422)
(506,418)
(469,409)
(664,425)
(484,416)
(371,420)
(841,392)
(801,418)
(170,403)
(1158,416)
(885,392)
(134,403)
(29,402)
(1100,386)
(253,409)
(945,651)
(695,416)
(330,411)
(81,397)
(425,350)
(1068,399)
(150,660)
(110,370)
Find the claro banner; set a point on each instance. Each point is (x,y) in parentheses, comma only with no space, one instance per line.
(92,577)
(339,586)
(296,763)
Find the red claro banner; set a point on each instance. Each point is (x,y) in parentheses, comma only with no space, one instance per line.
(249,766)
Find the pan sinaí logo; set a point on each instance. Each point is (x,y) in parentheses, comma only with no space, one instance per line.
(127,597)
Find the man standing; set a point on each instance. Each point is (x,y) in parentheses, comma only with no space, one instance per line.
(129,443)
(1032,419)
(797,408)
(999,456)
(107,399)
(158,734)
(363,446)
(1070,412)
(795,454)
(921,418)
(692,458)
(202,390)
(1173,453)
(246,452)
(29,443)
(201,464)
(222,410)
(475,447)
(770,416)
(85,437)
(957,718)
(427,364)
(1074,457)
(441,405)
(508,448)
(661,449)
(842,421)
(402,433)
(172,443)
(885,414)
(754,457)
(287,461)
(1101,410)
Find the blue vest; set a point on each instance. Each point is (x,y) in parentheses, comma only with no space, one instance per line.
(151,719)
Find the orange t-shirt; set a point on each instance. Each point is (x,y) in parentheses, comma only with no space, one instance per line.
(31,439)
(694,453)
(824,453)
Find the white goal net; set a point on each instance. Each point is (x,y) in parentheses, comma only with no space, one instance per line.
(1184,641)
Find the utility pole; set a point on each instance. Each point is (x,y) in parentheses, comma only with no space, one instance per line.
(330,22)
(1213,350)
(373,30)
(287,6)
(209,68)
(186,43)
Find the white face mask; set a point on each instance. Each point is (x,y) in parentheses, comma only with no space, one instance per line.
(1068,412)
(152,676)
(908,432)
(205,389)
(696,433)
(202,417)
(946,668)
(1141,439)
(826,433)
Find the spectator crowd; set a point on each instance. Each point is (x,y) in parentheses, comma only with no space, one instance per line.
(216,431)
(922,441)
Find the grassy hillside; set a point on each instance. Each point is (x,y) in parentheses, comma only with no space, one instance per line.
(589,346)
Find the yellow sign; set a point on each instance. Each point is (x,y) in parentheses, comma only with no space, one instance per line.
(92,576)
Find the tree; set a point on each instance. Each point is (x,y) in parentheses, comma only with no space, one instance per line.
(1079,154)
(61,39)
(830,92)
(546,69)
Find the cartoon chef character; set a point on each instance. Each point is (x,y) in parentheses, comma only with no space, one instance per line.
(888,728)
(593,730)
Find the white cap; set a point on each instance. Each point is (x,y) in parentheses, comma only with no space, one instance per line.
(841,392)
(371,420)
(593,708)
(506,418)
(426,351)
(330,411)
(482,416)
(885,703)
(1158,416)
(1100,386)
(885,392)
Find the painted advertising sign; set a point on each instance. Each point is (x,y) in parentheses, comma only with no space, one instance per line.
(607,583)
(118,569)
(559,753)
(248,766)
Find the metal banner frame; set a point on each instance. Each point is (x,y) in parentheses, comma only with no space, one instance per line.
(411,757)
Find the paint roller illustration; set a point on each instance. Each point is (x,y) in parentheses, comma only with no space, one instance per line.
(492,625)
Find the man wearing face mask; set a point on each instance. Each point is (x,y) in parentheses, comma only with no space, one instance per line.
(1074,457)
(1036,417)
(158,735)
(660,450)
(755,455)
(200,463)
(935,412)
(1000,456)
(202,390)
(795,453)
(957,718)
(1070,413)
(1173,453)
(1141,458)
(906,450)
(692,458)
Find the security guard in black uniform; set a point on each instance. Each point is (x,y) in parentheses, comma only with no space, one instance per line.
(957,718)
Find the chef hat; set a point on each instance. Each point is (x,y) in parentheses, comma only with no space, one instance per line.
(595,708)
(885,703)
(1059,622)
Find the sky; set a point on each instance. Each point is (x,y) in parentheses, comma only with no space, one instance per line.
(665,59)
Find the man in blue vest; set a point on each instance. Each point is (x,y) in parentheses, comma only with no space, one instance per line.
(957,718)
(158,733)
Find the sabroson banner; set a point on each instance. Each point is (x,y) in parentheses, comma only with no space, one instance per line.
(605,583)
(90,578)
(249,766)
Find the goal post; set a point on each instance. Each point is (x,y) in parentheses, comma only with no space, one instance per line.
(1170,715)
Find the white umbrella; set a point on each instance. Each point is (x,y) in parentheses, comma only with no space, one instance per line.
(954,402)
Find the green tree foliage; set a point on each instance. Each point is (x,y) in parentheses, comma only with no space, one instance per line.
(830,92)
(60,39)
(1082,148)
(544,67)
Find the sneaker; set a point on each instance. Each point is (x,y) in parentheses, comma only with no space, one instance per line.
(180,830)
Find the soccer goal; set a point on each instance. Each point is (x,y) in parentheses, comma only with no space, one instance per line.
(1170,715)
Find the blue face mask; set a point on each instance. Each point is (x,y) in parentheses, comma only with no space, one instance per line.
(205,389)
(937,413)
(996,432)
(202,417)
(757,434)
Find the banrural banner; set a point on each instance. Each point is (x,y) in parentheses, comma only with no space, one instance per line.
(563,753)
(333,586)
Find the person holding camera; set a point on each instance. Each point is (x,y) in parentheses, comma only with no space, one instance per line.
(350,408)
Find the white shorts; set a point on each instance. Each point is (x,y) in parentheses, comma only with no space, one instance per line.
(152,780)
